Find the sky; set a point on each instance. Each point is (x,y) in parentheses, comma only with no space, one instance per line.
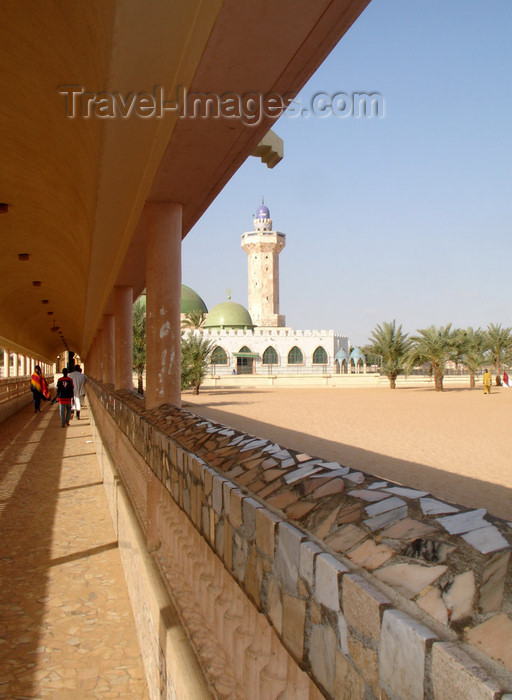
(407,216)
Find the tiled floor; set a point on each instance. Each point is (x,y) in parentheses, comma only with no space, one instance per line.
(66,626)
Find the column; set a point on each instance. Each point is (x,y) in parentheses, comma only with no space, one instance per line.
(99,355)
(123,313)
(108,349)
(162,222)
(7,357)
(91,360)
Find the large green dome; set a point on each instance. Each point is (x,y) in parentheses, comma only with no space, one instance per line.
(190,301)
(229,315)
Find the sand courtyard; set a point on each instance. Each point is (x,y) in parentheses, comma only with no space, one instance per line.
(456,444)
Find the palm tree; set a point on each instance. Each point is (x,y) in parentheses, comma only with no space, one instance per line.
(195,358)
(436,346)
(472,347)
(392,346)
(139,341)
(499,342)
(194,319)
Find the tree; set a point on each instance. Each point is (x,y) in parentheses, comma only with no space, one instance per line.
(472,347)
(392,346)
(436,346)
(194,319)
(499,342)
(139,341)
(195,358)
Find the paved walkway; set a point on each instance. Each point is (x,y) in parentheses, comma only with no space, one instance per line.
(66,626)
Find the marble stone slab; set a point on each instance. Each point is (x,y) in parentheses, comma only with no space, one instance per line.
(286,463)
(336,472)
(410,579)
(253,444)
(328,570)
(378,485)
(486,539)
(402,650)
(299,474)
(282,454)
(406,493)
(366,495)
(384,519)
(356,477)
(464,522)
(383,506)
(431,506)
(272,449)
(236,440)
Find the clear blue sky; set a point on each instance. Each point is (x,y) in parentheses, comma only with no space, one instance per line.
(408,217)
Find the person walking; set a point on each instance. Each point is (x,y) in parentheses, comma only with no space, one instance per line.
(79,390)
(39,388)
(64,397)
(487,379)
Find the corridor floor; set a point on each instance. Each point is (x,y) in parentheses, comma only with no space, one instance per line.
(66,626)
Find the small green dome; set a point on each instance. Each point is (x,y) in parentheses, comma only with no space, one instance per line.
(229,315)
(190,301)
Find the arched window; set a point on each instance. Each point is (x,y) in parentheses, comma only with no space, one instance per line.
(270,357)
(245,349)
(320,356)
(295,356)
(219,356)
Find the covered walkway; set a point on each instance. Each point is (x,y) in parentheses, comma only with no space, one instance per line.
(67,628)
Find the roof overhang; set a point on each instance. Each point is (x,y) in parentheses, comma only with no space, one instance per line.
(76,185)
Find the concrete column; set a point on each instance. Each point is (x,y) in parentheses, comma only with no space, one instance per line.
(123,311)
(7,356)
(96,366)
(99,355)
(14,364)
(108,349)
(90,360)
(162,221)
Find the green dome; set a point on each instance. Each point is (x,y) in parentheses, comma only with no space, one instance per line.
(190,301)
(229,315)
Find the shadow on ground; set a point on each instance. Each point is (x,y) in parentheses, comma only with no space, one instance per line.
(455,488)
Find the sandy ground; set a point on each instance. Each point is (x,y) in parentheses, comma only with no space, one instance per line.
(456,444)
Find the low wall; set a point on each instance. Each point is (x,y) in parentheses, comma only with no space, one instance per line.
(341,381)
(15,394)
(287,568)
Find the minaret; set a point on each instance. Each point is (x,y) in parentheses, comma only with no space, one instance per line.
(263,246)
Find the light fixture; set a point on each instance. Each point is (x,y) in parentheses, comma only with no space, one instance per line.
(23,256)
(36,283)
(4,208)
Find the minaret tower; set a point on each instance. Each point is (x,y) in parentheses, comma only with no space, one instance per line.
(263,246)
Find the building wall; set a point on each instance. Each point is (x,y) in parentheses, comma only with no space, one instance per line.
(282,340)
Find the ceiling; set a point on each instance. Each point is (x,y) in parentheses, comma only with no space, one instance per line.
(75,186)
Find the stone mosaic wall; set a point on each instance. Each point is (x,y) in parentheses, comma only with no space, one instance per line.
(375,589)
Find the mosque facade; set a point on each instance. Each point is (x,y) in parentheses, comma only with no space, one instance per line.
(256,340)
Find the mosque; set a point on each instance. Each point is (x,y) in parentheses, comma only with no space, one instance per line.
(257,340)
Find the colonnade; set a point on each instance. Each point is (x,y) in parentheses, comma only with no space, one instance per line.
(109,359)
(17,365)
